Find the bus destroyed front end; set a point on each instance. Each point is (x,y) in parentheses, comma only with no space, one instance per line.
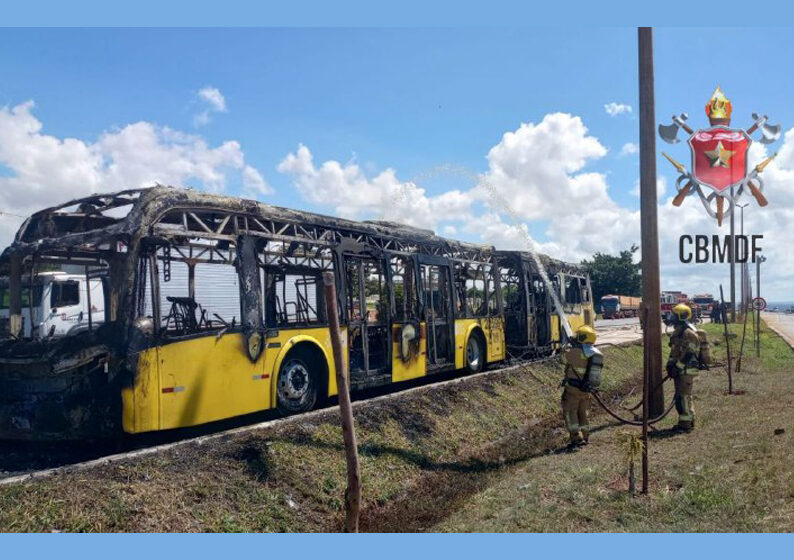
(56,389)
(60,284)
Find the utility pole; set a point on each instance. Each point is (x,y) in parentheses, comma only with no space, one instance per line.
(732,258)
(653,401)
(353,492)
(758,262)
(727,344)
(743,276)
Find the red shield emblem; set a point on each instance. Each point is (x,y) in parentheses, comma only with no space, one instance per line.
(719,157)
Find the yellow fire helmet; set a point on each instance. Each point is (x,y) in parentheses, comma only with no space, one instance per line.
(682,312)
(585,335)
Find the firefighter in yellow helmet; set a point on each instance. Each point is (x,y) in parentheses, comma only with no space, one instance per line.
(583,363)
(683,364)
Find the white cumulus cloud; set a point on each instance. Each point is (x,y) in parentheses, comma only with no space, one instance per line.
(213,101)
(43,170)
(614,109)
(629,148)
(540,171)
(352,194)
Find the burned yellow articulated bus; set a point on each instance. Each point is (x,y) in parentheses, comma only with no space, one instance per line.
(202,307)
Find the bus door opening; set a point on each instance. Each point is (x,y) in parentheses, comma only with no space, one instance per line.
(436,276)
(367,308)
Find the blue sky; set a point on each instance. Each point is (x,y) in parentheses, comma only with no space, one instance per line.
(406,99)
(403,98)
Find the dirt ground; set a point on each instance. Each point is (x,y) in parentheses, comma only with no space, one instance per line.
(485,454)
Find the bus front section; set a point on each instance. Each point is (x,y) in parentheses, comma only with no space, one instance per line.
(60,284)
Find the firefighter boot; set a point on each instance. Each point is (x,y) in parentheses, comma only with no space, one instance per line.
(576,440)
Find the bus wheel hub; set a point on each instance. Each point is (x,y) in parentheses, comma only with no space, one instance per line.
(294,381)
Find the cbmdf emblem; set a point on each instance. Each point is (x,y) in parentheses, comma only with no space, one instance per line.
(720,169)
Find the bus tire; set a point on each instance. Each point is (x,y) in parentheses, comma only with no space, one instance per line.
(298,383)
(475,353)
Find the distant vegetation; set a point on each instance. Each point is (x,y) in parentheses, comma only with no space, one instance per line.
(611,274)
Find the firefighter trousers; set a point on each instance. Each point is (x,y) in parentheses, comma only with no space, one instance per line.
(683,400)
(574,411)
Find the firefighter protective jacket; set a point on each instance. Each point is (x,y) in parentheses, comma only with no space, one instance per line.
(684,346)
(583,363)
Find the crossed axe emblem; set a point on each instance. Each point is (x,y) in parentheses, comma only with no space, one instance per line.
(719,110)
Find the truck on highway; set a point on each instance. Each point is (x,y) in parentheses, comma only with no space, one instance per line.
(704,301)
(620,307)
(55,304)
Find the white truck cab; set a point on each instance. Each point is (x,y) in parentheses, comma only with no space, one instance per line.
(60,304)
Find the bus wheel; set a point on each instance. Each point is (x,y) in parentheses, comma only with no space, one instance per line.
(297,386)
(475,355)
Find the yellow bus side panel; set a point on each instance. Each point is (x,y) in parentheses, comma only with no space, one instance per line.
(555,329)
(493,330)
(463,328)
(140,403)
(575,319)
(208,378)
(417,366)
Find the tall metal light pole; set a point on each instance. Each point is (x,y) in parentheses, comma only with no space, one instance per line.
(758,312)
(732,255)
(653,400)
(743,276)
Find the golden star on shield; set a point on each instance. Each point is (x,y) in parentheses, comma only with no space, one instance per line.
(719,156)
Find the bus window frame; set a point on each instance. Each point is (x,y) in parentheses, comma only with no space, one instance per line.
(416,313)
(152,261)
(271,274)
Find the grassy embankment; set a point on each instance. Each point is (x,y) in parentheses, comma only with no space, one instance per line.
(734,473)
(482,454)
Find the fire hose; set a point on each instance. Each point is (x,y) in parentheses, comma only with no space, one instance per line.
(639,404)
(651,421)
(609,411)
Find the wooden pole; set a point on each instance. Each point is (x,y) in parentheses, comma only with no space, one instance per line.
(727,344)
(652,331)
(758,262)
(732,258)
(645,397)
(353,492)
(653,400)
(744,335)
(743,270)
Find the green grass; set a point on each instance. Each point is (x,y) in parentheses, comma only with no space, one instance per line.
(293,478)
(476,455)
(732,474)
(776,352)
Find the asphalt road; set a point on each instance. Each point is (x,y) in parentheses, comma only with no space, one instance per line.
(782,323)
(618,331)
(609,323)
